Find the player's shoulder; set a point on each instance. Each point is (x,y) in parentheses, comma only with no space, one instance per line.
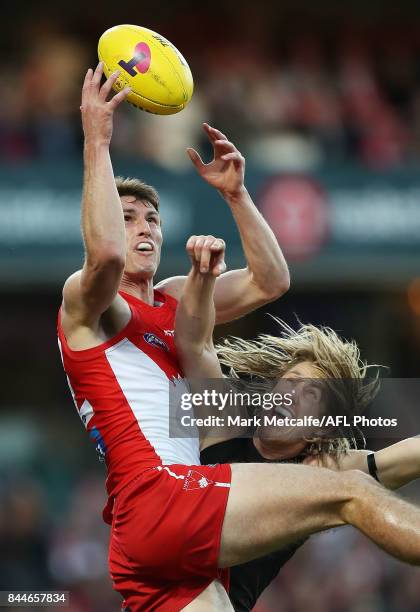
(71,287)
(72,281)
(172,286)
(76,307)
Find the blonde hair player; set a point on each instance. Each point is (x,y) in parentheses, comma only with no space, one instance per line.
(271,506)
(332,359)
(308,352)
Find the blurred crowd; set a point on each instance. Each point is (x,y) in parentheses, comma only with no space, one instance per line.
(290,101)
(291,98)
(67,550)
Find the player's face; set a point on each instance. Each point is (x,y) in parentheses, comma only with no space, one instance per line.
(300,382)
(143,237)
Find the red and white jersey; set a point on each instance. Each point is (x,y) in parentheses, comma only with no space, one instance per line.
(121,391)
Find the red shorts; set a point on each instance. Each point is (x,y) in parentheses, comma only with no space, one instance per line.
(165,536)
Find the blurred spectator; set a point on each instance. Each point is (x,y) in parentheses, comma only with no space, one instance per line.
(24,537)
(288,102)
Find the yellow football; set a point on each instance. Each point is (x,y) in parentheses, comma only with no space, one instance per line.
(160,78)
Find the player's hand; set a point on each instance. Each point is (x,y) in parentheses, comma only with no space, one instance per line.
(97,111)
(207,254)
(226,171)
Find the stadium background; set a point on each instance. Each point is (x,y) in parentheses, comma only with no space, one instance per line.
(324,101)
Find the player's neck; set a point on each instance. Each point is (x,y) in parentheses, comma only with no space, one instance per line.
(141,289)
(269,449)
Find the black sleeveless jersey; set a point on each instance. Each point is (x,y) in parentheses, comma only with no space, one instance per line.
(248,580)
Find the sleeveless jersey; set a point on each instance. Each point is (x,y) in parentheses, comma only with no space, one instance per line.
(121,391)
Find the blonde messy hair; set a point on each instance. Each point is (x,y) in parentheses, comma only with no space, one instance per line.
(336,360)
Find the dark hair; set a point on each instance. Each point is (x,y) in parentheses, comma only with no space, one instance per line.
(127,186)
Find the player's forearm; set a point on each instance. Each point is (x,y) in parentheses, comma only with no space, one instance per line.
(399,464)
(267,266)
(196,313)
(102,216)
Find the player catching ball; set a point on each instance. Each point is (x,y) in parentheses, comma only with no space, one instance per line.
(116,339)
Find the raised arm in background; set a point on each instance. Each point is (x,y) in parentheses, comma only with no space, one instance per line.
(266,276)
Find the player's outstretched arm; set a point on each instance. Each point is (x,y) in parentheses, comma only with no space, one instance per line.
(266,276)
(87,294)
(397,465)
(195,314)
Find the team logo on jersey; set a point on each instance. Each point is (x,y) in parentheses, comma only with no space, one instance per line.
(195,480)
(95,435)
(155,341)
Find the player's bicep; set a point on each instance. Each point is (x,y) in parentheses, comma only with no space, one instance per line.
(172,286)
(235,295)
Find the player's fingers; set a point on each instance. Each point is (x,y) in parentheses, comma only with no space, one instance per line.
(107,86)
(219,268)
(88,78)
(213,133)
(198,248)
(195,158)
(218,245)
(234,156)
(86,87)
(119,97)
(190,245)
(224,145)
(206,254)
(97,75)
(219,265)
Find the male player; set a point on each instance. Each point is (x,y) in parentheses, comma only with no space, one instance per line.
(393,466)
(287,355)
(273,506)
(116,340)
(177,525)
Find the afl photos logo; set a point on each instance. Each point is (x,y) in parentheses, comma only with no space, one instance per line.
(155,341)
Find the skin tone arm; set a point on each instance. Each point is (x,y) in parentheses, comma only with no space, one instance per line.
(195,314)
(266,276)
(397,465)
(88,293)
(194,324)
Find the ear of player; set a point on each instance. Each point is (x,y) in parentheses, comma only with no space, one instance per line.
(156,72)
(207,254)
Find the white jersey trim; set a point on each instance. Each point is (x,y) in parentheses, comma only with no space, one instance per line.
(146,389)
